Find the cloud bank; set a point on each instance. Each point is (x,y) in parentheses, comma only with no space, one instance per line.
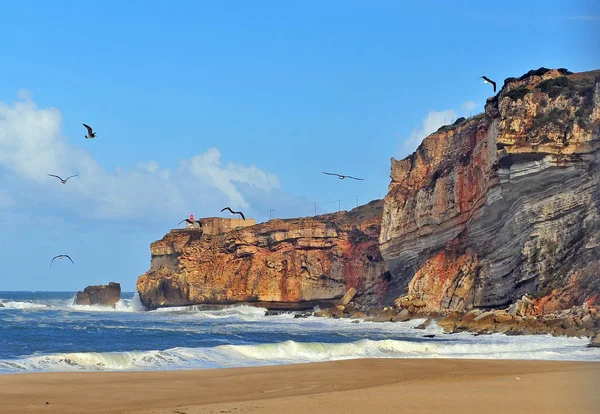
(32,145)
(431,123)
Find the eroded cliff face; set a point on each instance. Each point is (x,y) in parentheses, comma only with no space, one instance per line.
(289,264)
(503,204)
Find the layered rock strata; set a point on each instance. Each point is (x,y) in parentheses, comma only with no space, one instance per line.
(504,204)
(280,264)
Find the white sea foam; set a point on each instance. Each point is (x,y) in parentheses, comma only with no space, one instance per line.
(124,305)
(243,312)
(493,347)
(23,305)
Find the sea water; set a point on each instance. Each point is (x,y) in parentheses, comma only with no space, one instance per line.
(44,331)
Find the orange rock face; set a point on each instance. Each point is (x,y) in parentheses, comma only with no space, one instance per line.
(289,264)
(503,204)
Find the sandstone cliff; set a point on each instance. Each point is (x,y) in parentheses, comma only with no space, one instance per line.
(503,204)
(289,264)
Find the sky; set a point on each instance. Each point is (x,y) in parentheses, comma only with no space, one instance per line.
(201,105)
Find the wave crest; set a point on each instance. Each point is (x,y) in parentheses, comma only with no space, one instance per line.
(543,347)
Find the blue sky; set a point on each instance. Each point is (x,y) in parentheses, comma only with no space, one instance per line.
(199,105)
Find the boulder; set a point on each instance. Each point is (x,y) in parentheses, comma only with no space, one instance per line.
(340,307)
(469,316)
(350,293)
(595,342)
(420,304)
(424,324)
(2,305)
(402,316)
(575,332)
(569,323)
(587,322)
(484,317)
(503,317)
(520,306)
(358,315)
(105,295)
(385,315)
(352,308)
(449,322)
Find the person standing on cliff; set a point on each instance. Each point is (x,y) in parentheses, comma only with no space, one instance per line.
(191,223)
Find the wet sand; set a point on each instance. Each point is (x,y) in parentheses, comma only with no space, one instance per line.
(354,386)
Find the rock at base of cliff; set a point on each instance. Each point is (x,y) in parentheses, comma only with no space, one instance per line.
(348,297)
(105,295)
(595,342)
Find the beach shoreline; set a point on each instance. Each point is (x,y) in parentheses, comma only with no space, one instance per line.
(349,386)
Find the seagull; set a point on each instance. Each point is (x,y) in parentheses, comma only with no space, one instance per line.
(187,220)
(342,176)
(90,134)
(60,256)
(234,212)
(61,180)
(488,80)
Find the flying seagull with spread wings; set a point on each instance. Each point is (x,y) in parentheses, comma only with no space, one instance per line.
(488,80)
(341,177)
(60,256)
(91,134)
(234,212)
(187,220)
(61,180)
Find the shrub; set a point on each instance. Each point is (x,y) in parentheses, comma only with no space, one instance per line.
(536,72)
(556,116)
(517,94)
(459,120)
(555,87)
(508,81)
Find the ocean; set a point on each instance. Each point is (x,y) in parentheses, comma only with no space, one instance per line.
(43,331)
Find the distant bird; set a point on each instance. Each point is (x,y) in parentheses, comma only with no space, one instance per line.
(90,134)
(488,80)
(234,212)
(61,180)
(60,256)
(187,220)
(343,176)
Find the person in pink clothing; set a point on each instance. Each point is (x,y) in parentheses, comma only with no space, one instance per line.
(191,220)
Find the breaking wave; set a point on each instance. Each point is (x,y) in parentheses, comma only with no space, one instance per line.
(124,305)
(243,312)
(23,305)
(289,352)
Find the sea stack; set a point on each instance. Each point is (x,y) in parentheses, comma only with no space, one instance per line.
(105,295)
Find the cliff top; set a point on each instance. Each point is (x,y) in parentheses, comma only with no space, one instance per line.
(537,87)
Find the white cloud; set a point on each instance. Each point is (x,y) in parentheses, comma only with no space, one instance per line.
(432,122)
(32,145)
(468,107)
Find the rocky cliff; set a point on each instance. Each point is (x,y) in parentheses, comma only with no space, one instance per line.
(288,264)
(503,204)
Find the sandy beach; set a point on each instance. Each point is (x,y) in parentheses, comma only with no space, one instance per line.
(352,386)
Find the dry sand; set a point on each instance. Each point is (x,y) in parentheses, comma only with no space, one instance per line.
(356,386)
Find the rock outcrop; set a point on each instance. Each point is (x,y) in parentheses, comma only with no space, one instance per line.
(105,295)
(280,264)
(504,204)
